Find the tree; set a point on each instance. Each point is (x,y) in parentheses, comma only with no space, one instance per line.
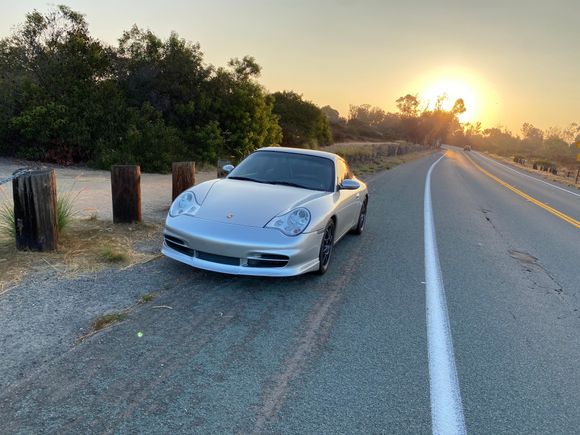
(245,69)
(533,138)
(332,115)
(303,123)
(458,107)
(408,105)
(243,111)
(54,74)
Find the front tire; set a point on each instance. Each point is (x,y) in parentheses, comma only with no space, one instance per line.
(362,219)
(326,247)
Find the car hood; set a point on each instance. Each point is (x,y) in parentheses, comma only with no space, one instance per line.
(252,204)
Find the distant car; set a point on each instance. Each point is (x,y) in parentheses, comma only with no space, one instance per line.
(467,148)
(279,213)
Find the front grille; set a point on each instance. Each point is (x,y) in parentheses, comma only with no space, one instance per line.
(256,259)
(174,240)
(267,260)
(179,248)
(214,258)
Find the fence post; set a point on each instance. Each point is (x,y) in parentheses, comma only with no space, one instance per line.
(577,175)
(126,190)
(183,177)
(35,211)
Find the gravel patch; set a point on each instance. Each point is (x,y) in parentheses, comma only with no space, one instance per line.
(44,316)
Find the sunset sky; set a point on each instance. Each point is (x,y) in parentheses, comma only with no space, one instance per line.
(512,61)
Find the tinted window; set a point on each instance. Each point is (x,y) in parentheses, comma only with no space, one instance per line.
(276,167)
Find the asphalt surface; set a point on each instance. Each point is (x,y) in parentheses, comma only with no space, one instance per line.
(342,353)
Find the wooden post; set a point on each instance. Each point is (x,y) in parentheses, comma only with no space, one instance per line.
(126,190)
(35,211)
(577,175)
(183,175)
(220,165)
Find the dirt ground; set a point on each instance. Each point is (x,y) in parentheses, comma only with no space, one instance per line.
(92,189)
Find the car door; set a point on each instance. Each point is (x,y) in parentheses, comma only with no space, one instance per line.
(347,201)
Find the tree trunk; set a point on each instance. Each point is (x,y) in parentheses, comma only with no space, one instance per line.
(183,174)
(35,211)
(126,190)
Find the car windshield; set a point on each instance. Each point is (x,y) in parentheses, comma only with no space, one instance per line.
(290,169)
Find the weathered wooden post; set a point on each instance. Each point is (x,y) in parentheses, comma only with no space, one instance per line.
(126,190)
(35,210)
(220,167)
(183,177)
(577,175)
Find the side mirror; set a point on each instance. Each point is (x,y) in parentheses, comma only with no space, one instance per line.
(228,168)
(349,184)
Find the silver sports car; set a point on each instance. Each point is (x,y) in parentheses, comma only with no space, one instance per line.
(279,213)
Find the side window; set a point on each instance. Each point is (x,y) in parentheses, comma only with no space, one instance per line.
(340,171)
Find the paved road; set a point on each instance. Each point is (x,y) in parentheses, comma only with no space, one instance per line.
(346,352)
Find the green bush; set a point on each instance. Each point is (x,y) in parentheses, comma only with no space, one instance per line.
(303,123)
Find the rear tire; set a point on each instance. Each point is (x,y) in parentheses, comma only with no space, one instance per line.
(326,247)
(362,219)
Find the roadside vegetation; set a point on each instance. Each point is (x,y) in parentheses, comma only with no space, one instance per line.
(68,97)
(112,254)
(554,147)
(86,247)
(368,158)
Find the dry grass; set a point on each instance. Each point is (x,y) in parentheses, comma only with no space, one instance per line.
(560,178)
(87,246)
(107,320)
(111,254)
(102,322)
(368,158)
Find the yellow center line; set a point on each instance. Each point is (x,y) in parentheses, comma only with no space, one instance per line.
(540,204)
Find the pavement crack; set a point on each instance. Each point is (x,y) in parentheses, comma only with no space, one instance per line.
(541,278)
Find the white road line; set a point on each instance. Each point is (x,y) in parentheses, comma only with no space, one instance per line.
(446,408)
(529,176)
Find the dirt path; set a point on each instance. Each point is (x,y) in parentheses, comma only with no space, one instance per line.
(92,189)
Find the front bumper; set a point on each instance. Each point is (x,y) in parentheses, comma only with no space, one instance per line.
(239,250)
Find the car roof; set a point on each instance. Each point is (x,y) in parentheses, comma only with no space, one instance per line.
(308,152)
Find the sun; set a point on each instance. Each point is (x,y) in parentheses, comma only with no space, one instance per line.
(451,89)
(453,82)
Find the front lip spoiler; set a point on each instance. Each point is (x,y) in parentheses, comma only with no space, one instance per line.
(240,270)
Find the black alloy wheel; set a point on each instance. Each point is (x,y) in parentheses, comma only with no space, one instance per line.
(326,247)
(362,219)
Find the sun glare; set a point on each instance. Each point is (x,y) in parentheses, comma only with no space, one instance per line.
(453,84)
(451,90)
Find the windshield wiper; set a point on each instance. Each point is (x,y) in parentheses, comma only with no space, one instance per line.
(288,183)
(246,179)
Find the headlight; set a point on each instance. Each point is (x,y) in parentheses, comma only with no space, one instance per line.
(291,223)
(184,203)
